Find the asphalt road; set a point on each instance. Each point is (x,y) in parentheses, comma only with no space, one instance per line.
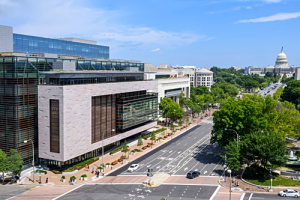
(252,196)
(138,191)
(189,151)
(269,88)
(11,191)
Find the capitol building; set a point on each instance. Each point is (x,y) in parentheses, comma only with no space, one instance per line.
(281,67)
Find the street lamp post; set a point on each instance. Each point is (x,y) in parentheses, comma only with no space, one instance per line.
(103,149)
(237,136)
(229,171)
(25,141)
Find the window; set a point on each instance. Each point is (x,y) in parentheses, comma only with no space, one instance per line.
(208,83)
(208,78)
(54,125)
(203,83)
(203,78)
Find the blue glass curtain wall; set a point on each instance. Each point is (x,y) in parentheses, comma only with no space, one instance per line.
(33,44)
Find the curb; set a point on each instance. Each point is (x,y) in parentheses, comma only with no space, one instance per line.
(263,185)
(88,182)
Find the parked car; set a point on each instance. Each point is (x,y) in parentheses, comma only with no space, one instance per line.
(133,168)
(192,174)
(289,193)
(268,91)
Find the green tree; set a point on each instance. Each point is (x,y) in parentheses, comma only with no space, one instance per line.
(140,141)
(14,162)
(3,163)
(243,115)
(232,156)
(125,147)
(266,147)
(153,137)
(172,127)
(180,123)
(291,92)
(200,90)
(181,99)
(278,93)
(269,75)
(187,120)
(171,109)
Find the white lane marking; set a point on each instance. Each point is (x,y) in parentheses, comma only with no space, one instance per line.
(67,192)
(250,196)
(242,196)
(158,167)
(215,167)
(205,172)
(196,169)
(141,196)
(203,167)
(215,193)
(179,152)
(148,165)
(186,168)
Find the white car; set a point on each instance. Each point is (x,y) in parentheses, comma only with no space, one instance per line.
(289,193)
(133,168)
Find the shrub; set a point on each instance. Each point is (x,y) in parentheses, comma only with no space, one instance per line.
(41,171)
(72,177)
(107,164)
(297,153)
(154,132)
(133,151)
(63,177)
(84,175)
(74,167)
(99,167)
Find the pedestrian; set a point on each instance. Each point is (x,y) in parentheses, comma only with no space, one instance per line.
(237,184)
(111,168)
(92,170)
(85,166)
(225,178)
(88,167)
(233,180)
(73,181)
(47,180)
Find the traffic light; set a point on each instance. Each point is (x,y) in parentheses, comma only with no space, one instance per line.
(150,170)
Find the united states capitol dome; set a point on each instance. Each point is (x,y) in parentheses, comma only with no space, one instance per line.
(281,60)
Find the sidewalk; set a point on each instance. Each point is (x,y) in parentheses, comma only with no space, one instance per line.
(55,179)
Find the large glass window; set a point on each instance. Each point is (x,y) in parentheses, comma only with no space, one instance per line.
(54,125)
(33,44)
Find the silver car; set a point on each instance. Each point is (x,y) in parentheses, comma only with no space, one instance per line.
(289,193)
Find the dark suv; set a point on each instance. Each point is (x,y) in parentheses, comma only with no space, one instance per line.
(192,174)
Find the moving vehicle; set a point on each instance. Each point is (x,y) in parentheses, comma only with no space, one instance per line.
(289,193)
(192,174)
(133,168)
(268,91)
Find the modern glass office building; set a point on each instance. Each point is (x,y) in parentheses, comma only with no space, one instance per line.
(33,44)
(14,42)
(19,80)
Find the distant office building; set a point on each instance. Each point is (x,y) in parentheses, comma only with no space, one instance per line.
(14,42)
(281,67)
(297,73)
(171,83)
(203,77)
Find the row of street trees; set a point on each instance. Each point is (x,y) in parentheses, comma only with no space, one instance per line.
(13,163)
(262,124)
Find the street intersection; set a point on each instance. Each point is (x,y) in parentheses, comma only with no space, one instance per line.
(189,151)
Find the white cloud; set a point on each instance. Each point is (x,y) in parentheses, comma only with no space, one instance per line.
(276,17)
(272,1)
(72,18)
(157,50)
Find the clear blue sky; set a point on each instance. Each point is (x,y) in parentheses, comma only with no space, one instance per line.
(202,33)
